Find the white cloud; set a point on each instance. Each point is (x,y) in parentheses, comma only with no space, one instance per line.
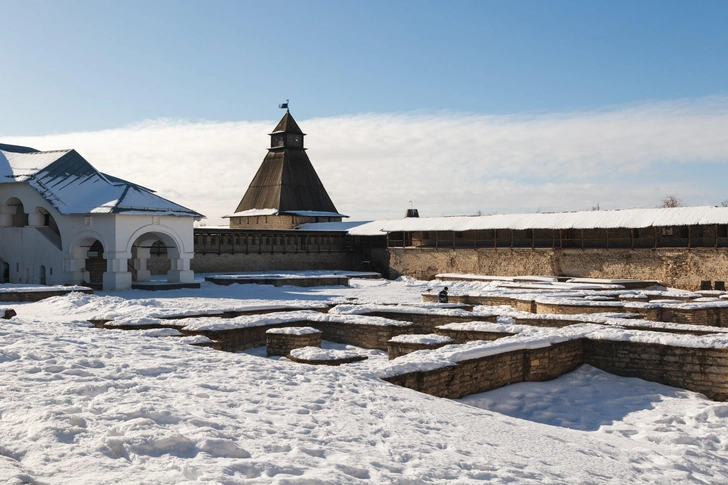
(373,164)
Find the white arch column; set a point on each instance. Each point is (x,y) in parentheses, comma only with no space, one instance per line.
(36,219)
(6,215)
(140,256)
(74,264)
(180,272)
(117,276)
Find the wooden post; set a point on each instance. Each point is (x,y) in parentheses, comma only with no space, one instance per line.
(437,237)
(404,239)
(631,238)
(495,238)
(716,235)
(582,239)
(511,238)
(475,239)
(453,239)
(533,238)
(689,232)
(295,239)
(654,230)
(607,231)
(387,239)
(561,239)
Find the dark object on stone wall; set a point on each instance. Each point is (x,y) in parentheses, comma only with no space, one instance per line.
(720,285)
(706,285)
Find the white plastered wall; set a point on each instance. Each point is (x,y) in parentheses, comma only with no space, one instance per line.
(26,249)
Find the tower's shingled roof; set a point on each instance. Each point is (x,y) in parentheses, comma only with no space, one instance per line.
(287,125)
(286,180)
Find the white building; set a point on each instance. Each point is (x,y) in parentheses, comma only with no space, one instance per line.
(64,222)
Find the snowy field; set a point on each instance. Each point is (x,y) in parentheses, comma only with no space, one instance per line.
(81,405)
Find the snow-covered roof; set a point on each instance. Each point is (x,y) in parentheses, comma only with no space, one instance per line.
(275,212)
(603,219)
(330,226)
(73,186)
(253,213)
(314,214)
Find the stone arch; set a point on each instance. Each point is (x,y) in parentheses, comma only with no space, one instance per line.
(140,245)
(43,220)
(86,266)
(157,233)
(13,213)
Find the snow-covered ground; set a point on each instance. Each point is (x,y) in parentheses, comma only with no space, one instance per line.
(81,405)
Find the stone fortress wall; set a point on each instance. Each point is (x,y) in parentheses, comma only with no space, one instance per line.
(675,267)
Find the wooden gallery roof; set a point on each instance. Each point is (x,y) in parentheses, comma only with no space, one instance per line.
(286,180)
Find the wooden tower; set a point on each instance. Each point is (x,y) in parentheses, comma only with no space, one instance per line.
(286,191)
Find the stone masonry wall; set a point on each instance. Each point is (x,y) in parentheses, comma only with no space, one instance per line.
(220,263)
(465,336)
(427,322)
(676,267)
(283,343)
(573,309)
(398,349)
(37,295)
(700,370)
(487,373)
(427,262)
(367,336)
(695,369)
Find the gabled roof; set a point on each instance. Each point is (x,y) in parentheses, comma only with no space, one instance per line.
(73,186)
(287,125)
(16,148)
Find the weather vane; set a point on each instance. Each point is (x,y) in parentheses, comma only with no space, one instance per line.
(284,105)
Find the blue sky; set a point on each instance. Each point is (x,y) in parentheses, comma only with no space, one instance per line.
(87,65)
(491,106)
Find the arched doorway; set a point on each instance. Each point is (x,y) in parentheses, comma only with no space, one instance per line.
(86,260)
(95,263)
(159,252)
